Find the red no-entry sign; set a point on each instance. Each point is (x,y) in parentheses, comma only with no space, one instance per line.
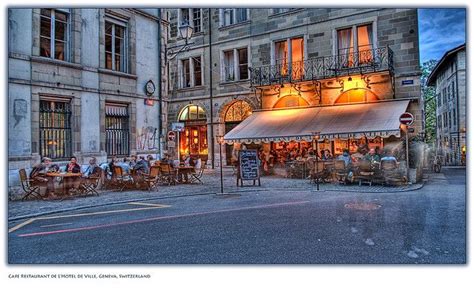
(407,118)
(171,136)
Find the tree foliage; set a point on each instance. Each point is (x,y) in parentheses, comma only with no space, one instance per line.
(429,99)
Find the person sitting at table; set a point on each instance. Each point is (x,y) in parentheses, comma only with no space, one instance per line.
(92,168)
(72,167)
(347,163)
(37,175)
(188,161)
(389,156)
(141,167)
(150,160)
(371,156)
(326,155)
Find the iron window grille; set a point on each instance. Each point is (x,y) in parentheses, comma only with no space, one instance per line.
(117,132)
(55,130)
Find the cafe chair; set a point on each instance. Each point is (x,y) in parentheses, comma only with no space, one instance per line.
(391,173)
(318,173)
(120,179)
(151,179)
(365,173)
(168,174)
(196,176)
(342,171)
(29,186)
(90,184)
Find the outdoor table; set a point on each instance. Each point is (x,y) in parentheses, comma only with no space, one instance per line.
(185,170)
(63,175)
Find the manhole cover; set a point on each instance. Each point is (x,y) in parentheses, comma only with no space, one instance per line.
(362,206)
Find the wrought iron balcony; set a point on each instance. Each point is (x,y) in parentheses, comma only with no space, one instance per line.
(345,64)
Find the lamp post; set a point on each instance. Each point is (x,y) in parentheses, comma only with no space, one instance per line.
(185,31)
(220,140)
(316,136)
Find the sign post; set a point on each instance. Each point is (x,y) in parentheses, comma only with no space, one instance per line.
(407,119)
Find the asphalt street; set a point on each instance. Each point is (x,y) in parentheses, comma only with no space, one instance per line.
(279,226)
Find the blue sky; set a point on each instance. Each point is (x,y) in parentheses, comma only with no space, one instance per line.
(440,30)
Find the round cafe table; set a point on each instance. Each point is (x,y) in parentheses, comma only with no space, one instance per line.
(63,175)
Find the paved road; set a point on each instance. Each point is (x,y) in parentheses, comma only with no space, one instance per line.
(279,226)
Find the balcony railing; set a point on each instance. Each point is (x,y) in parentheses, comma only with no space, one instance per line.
(365,61)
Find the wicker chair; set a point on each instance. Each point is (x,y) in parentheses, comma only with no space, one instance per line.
(151,179)
(90,184)
(365,173)
(29,186)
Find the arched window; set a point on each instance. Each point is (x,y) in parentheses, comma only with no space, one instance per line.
(356,95)
(291,101)
(238,111)
(192,113)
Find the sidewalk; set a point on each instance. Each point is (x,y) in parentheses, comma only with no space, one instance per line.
(18,210)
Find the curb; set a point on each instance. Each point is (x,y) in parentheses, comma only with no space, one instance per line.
(229,191)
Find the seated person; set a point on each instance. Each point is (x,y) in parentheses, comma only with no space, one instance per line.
(346,157)
(327,155)
(389,157)
(124,164)
(167,160)
(92,168)
(37,175)
(72,167)
(142,166)
(150,160)
(372,156)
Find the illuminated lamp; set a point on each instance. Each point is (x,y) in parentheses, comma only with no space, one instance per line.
(195,140)
(195,133)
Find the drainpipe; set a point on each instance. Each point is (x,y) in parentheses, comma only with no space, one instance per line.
(160,96)
(457,112)
(211,110)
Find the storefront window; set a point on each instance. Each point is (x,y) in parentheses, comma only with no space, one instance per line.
(193,140)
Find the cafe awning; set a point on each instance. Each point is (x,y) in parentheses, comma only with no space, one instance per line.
(339,121)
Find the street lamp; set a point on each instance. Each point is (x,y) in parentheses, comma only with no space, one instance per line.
(185,31)
(316,136)
(220,140)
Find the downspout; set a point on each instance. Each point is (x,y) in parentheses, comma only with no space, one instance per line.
(211,110)
(160,96)
(457,113)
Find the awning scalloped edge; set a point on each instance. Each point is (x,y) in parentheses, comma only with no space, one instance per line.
(308,138)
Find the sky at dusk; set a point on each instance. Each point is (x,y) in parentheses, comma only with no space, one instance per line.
(439,31)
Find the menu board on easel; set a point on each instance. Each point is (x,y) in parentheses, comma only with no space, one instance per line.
(248,167)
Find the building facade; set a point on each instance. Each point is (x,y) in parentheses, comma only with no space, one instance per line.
(246,60)
(449,79)
(84,83)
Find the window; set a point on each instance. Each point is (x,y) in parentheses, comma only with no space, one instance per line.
(186,74)
(357,40)
(197,20)
(229,16)
(191,72)
(192,16)
(235,65)
(449,119)
(438,96)
(117,137)
(193,139)
(444,96)
(115,47)
(54,34)
(55,129)
(197,71)
(453,93)
(238,111)
(454,117)
(439,121)
(289,55)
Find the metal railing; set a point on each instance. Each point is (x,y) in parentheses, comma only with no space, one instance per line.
(55,130)
(344,64)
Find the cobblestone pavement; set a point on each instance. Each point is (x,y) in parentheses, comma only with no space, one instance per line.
(27,209)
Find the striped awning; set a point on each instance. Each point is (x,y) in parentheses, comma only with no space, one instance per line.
(116,110)
(340,121)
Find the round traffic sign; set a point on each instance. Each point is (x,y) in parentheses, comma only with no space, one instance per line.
(171,136)
(407,118)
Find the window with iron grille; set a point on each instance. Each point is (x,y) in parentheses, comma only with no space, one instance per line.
(117,137)
(55,129)
(54,34)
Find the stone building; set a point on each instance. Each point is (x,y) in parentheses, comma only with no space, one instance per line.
(84,82)
(449,79)
(247,64)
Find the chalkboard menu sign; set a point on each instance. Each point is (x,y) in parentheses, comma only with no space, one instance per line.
(248,166)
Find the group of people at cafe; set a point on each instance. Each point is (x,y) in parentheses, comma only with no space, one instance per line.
(50,175)
(282,157)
